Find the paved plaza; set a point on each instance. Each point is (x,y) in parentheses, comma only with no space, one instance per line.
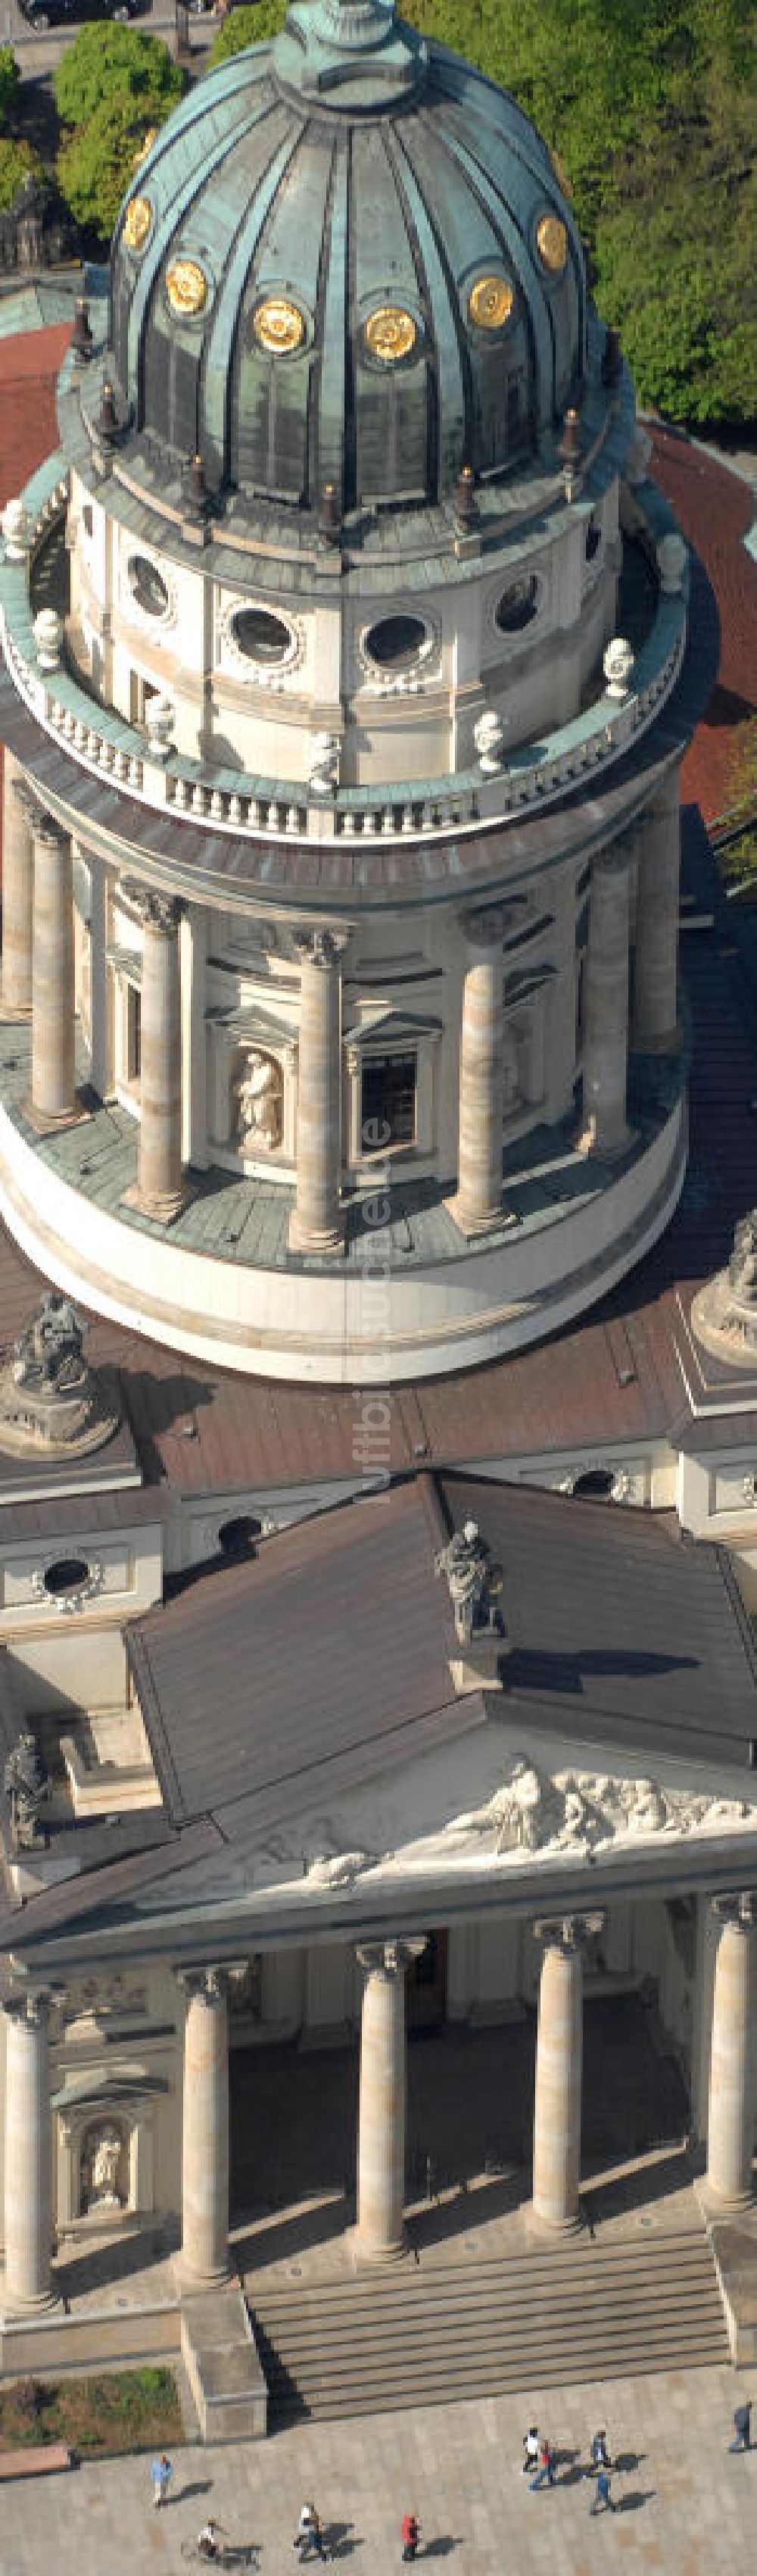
(682,2504)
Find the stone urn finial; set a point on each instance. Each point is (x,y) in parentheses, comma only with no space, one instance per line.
(672,558)
(17,530)
(489,739)
(160,720)
(48,637)
(618,665)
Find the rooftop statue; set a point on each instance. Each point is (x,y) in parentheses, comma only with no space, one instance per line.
(50,1400)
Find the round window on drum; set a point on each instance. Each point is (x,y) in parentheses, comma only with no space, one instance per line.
(260,636)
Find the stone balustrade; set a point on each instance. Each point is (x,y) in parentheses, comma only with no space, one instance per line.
(104,742)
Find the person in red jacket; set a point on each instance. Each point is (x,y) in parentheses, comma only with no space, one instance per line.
(411,2532)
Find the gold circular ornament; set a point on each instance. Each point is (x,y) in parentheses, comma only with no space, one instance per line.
(390,333)
(552,243)
(144,148)
(186,288)
(279,326)
(490,303)
(137,223)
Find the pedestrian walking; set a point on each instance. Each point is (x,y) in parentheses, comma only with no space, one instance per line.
(530,2448)
(308,2534)
(742,2428)
(546,2468)
(602,2502)
(599,2456)
(161,2473)
(411,2532)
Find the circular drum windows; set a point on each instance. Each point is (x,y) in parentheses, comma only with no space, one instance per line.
(395,642)
(518,605)
(148,587)
(260,636)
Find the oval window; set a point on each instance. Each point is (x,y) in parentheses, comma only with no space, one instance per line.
(260,636)
(148,586)
(395,641)
(596,1486)
(237,1537)
(68,1574)
(517,605)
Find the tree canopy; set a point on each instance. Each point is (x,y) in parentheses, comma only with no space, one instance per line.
(112,86)
(247,26)
(17,159)
(9,83)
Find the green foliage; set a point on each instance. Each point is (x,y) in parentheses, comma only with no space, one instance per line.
(112,86)
(650,105)
(105,62)
(16,160)
(246,26)
(9,82)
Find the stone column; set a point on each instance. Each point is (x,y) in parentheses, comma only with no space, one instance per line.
(606,1129)
(18,890)
(28,2156)
(730,2141)
(655,982)
(53,1097)
(316,1222)
(477,1204)
(160,1191)
(557,2105)
(205,2134)
(381,2129)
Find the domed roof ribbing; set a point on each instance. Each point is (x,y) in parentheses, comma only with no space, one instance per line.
(346,260)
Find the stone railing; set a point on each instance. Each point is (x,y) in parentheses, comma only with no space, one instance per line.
(535,776)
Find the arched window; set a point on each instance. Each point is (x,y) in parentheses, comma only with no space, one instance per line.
(596,1486)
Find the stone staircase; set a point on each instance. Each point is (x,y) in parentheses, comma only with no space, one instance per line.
(426,2334)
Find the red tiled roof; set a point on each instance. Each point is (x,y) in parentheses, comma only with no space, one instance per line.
(715,508)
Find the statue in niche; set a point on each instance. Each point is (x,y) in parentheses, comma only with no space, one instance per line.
(258,1096)
(27,1785)
(102,2157)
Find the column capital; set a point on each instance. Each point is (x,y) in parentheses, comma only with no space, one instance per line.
(391,1958)
(316,947)
(47,828)
(566,1932)
(737,1906)
(212,1981)
(158,911)
(27,799)
(484,925)
(34,2007)
(616,861)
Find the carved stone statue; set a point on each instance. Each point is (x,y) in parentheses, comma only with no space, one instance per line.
(49,1399)
(27,1785)
(467,1564)
(724,1313)
(101,2168)
(258,1104)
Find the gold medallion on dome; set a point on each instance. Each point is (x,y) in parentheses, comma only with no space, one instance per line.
(137,223)
(186,288)
(390,333)
(490,303)
(144,148)
(279,326)
(552,243)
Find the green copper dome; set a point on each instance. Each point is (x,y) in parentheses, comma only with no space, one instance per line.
(346,260)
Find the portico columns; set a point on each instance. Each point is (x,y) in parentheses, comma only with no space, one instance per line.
(28,2155)
(655,981)
(559,2050)
(205,2133)
(160,1192)
(52,1092)
(381,2131)
(606,1010)
(316,1222)
(477,1204)
(18,890)
(730,2141)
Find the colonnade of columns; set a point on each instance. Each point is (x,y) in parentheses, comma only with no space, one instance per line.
(382,2112)
(38,980)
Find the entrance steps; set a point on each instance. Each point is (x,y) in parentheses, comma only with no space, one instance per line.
(430,2333)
